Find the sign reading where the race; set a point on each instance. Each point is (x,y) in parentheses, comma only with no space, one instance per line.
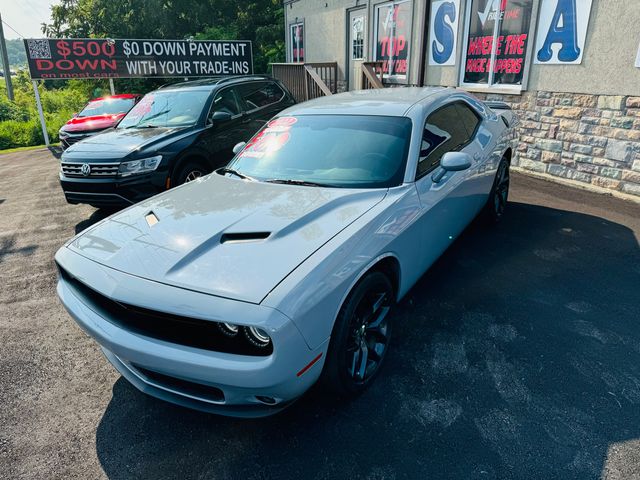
(507,40)
(105,58)
(562,31)
(443,32)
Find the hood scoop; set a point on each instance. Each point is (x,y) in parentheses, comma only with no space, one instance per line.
(244,237)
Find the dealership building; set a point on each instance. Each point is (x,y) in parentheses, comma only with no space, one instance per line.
(571,68)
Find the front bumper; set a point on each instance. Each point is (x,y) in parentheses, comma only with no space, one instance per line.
(113,192)
(210,381)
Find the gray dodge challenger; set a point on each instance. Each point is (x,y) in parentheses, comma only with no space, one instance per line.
(236,292)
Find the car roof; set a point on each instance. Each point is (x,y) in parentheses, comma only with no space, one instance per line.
(120,95)
(382,101)
(213,82)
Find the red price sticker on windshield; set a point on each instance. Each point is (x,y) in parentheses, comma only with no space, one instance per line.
(266,143)
(143,107)
(281,124)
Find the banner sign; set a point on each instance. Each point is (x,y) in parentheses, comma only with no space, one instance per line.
(562,31)
(393,28)
(443,32)
(105,58)
(509,41)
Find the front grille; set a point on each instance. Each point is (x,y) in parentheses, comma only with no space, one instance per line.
(71,140)
(98,170)
(191,332)
(194,389)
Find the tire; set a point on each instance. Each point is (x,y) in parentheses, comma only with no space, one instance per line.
(189,172)
(499,195)
(357,351)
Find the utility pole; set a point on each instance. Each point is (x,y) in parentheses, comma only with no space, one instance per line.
(5,63)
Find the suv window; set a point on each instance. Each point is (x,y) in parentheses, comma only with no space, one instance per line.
(444,131)
(260,94)
(470,118)
(224,101)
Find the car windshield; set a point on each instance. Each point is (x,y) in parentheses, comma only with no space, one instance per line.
(107,106)
(350,151)
(172,108)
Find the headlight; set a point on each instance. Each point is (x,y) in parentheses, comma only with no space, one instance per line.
(257,336)
(139,166)
(229,329)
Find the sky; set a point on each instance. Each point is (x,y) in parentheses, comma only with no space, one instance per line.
(25,16)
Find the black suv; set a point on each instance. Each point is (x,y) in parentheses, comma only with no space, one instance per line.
(173,135)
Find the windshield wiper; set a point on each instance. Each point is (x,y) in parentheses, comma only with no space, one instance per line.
(290,181)
(236,173)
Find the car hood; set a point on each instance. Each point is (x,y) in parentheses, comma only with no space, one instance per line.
(210,234)
(117,143)
(92,123)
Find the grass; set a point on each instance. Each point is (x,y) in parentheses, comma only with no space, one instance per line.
(23,149)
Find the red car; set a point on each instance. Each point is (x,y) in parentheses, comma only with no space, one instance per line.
(97,115)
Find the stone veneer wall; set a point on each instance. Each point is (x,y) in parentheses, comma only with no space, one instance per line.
(593,139)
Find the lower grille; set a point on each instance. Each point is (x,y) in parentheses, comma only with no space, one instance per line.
(96,170)
(192,332)
(198,390)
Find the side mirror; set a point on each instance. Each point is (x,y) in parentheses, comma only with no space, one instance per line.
(238,147)
(220,117)
(452,162)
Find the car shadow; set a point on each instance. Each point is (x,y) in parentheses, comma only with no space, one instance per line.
(8,247)
(516,356)
(56,151)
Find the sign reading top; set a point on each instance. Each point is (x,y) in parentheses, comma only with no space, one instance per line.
(106,58)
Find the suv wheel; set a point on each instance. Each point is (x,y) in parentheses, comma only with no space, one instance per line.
(189,172)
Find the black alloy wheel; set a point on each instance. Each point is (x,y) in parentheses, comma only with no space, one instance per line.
(499,193)
(361,336)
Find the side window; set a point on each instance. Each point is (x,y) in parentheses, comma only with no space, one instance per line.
(260,94)
(224,101)
(470,119)
(443,132)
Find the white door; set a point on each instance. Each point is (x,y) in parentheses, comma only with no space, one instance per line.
(357,26)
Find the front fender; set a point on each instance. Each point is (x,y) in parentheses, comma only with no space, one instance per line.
(314,292)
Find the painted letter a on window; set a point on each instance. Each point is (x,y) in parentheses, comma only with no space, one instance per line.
(562,31)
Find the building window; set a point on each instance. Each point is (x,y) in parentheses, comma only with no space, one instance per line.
(296,34)
(357,37)
(496,44)
(393,34)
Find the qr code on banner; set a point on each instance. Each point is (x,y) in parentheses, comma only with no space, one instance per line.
(39,49)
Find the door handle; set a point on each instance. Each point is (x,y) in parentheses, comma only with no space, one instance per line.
(477,156)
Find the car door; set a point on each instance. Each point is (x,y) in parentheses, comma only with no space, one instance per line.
(447,206)
(479,177)
(223,135)
(261,101)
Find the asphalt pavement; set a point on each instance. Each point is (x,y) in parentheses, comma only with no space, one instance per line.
(516,356)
